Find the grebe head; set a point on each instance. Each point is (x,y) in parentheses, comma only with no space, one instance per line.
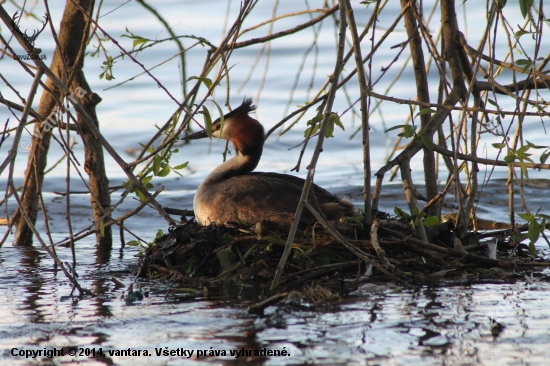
(246,133)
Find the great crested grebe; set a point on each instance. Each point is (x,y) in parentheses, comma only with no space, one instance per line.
(233,193)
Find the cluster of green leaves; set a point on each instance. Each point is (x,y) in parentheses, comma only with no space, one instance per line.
(145,246)
(146,182)
(416,216)
(159,168)
(107,67)
(315,125)
(409,130)
(537,223)
(522,155)
(139,41)
(527,64)
(109,60)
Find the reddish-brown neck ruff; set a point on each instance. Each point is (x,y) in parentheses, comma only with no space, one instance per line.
(246,134)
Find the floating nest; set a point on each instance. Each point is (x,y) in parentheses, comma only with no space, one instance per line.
(353,252)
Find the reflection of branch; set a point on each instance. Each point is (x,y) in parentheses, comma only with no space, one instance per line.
(118,221)
(286,32)
(45,247)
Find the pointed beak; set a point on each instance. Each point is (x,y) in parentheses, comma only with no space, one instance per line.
(195,136)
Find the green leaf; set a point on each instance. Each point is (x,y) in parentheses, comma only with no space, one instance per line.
(534,231)
(520,33)
(132,243)
(222,120)
(525,6)
(430,221)
(147,179)
(336,120)
(522,62)
(490,101)
(181,166)
(424,111)
(544,156)
(499,146)
(207,121)
(329,130)
(156,165)
(203,79)
(524,169)
(501,4)
(394,128)
(530,144)
(408,131)
(426,140)
(165,170)
(141,196)
(402,214)
(313,129)
(315,120)
(523,149)
(510,158)
(527,216)
(227,258)
(159,234)
(137,42)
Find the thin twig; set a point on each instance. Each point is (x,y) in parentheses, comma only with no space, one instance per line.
(318,148)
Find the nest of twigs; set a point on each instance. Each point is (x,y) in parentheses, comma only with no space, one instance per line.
(249,256)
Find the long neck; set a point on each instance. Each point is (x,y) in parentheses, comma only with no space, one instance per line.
(238,165)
